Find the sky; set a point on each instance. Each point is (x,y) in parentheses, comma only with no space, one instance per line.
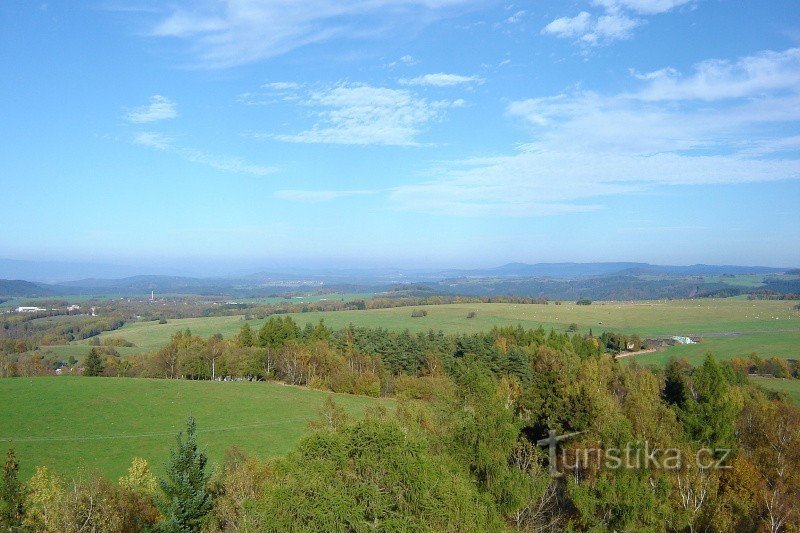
(232,134)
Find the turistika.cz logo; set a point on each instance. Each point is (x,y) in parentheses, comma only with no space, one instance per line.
(635,455)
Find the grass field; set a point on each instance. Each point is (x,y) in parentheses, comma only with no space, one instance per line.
(790,386)
(72,423)
(729,327)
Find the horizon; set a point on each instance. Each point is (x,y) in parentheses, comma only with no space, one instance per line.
(400,134)
(55,272)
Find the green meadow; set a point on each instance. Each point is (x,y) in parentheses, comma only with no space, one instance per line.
(76,425)
(791,387)
(729,327)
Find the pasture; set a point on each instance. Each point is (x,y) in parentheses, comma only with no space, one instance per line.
(789,386)
(72,424)
(729,327)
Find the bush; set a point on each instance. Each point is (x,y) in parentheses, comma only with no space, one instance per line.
(472,314)
(584,301)
(417,313)
(118,342)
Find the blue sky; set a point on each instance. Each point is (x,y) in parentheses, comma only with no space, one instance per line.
(405,133)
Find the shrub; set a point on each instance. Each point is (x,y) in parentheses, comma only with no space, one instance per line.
(417,313)
(118,342)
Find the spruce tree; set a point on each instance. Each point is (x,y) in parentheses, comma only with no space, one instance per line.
(12,495)
(246,336)
(93,365)
(186,499)
(709,413)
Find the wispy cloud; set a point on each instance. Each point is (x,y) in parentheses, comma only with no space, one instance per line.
(516,17)
(318,196)
(716,79)
(234,32)
(159,108)
(166,143)
(616,23)
(441,79)
(643,7)
(360,114)
(587,146)
(282,85)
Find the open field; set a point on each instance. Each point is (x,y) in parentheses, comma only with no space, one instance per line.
(729,327)
(73,423)
(790,386)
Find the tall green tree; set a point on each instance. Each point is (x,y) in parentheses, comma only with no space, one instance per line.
(186,499)
(12,495)
(93,365)
(709,413)
(245,338)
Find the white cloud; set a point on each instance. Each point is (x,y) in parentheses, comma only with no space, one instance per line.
(610,28)
(281,85)
(440,79)
(715,79)
(317,196)
(154,140)
(516,17)
(361,114)
(234,32)
(643,7)
(408,60)
(588,146)
(569,26)
(613,25)
(159,108)
(165,143)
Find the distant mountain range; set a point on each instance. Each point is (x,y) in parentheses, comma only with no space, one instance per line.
(630,280)
(575,270)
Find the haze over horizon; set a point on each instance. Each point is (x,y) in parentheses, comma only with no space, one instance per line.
(221,137)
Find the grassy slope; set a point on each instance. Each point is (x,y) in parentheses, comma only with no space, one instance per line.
(790,386)
(730,327)
(102,423)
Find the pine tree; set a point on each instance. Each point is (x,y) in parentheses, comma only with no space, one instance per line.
(246,336)
(12,495)
(709,413)
(186,499)
(93,365)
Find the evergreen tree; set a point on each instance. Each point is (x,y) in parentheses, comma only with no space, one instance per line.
(246,336)
(186,499)
(709,413)
(674,383)
(93,365)
(12,495)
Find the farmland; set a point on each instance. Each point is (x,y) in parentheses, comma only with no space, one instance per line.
(729,327)
(75,425)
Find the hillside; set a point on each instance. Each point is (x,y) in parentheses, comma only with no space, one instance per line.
(16,288)
(102,423)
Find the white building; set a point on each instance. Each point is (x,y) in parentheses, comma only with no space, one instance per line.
(29,309)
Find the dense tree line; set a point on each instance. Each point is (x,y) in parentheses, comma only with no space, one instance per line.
(30,330)
(354,359)
(772,366)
